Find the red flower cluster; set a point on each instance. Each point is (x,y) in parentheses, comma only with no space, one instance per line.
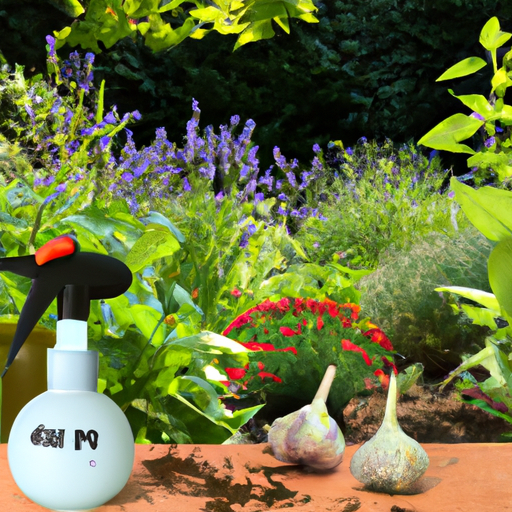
(271,313)
(377,336)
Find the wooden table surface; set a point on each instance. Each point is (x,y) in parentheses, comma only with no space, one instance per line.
(236,478)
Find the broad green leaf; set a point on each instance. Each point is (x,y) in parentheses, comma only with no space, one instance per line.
(72,8)
(152,245)
(210,342)
(491,37)
(408,378)
(150,322)
(477,103)
(481,316)
(486,358)
(488,300)
(488,159)
(448,133)
(463,68)
(255,32)
(500,78)
(161,35)
(500,273)
(158,218)
(487,208)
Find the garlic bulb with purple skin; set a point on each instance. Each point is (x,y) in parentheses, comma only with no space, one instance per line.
(309,436)
(390,461)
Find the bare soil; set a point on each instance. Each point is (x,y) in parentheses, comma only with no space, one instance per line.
(426,415)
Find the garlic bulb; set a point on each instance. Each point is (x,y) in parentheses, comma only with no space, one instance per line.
(309,436)
(391,460)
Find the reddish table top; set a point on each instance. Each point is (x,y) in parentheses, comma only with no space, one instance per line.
(236,478)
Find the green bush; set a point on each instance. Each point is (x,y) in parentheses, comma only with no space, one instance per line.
(379,196)
(399,296)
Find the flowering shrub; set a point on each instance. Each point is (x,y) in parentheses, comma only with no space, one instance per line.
(379,195)
(294,340)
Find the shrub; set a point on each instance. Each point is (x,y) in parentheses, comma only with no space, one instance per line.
(379,196)
(421,324)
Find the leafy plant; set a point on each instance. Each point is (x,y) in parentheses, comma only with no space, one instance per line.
(491,116)
(164,25)
(379,197)
(319,333)
(488,209)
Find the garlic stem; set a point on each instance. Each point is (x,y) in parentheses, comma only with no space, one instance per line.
(325,385)
(390,414)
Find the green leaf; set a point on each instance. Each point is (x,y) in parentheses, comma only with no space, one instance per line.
(481,316)
(152,245)
(72,8)
(487,208)
(158,218)
(491,36)
(408,378)
(500,273)
(150,323)
(477,103)
(487,300)
(463,68)
(448,133)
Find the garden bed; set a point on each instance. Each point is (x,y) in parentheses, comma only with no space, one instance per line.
(427,415)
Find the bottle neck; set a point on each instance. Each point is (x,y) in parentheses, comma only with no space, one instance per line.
(73,370)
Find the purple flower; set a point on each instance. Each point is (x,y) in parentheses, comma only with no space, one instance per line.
(195,105)
(244,241)
(127,176)
(234,120)
(56,105)
(29,111)
(104,142)
(251,229)
(89,131)
(251,157)
(186,184)
(478,116)
(490,142)
(51,46)
(89,58)
(451,194)
(281,211)
(110,118)
(363,140)
(136,115)
(279,158)
(61,187)
(258,197)
(244,171)
(291,179)
(279,184)
(349,151)
(316,148)
(282,197)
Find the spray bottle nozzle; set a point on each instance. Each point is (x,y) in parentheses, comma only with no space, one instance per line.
(59,269)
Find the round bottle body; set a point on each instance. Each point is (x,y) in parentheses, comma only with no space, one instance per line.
(71,450)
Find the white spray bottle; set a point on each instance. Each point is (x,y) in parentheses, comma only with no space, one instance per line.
(71,448)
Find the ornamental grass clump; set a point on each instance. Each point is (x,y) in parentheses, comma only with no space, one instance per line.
(297,339)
